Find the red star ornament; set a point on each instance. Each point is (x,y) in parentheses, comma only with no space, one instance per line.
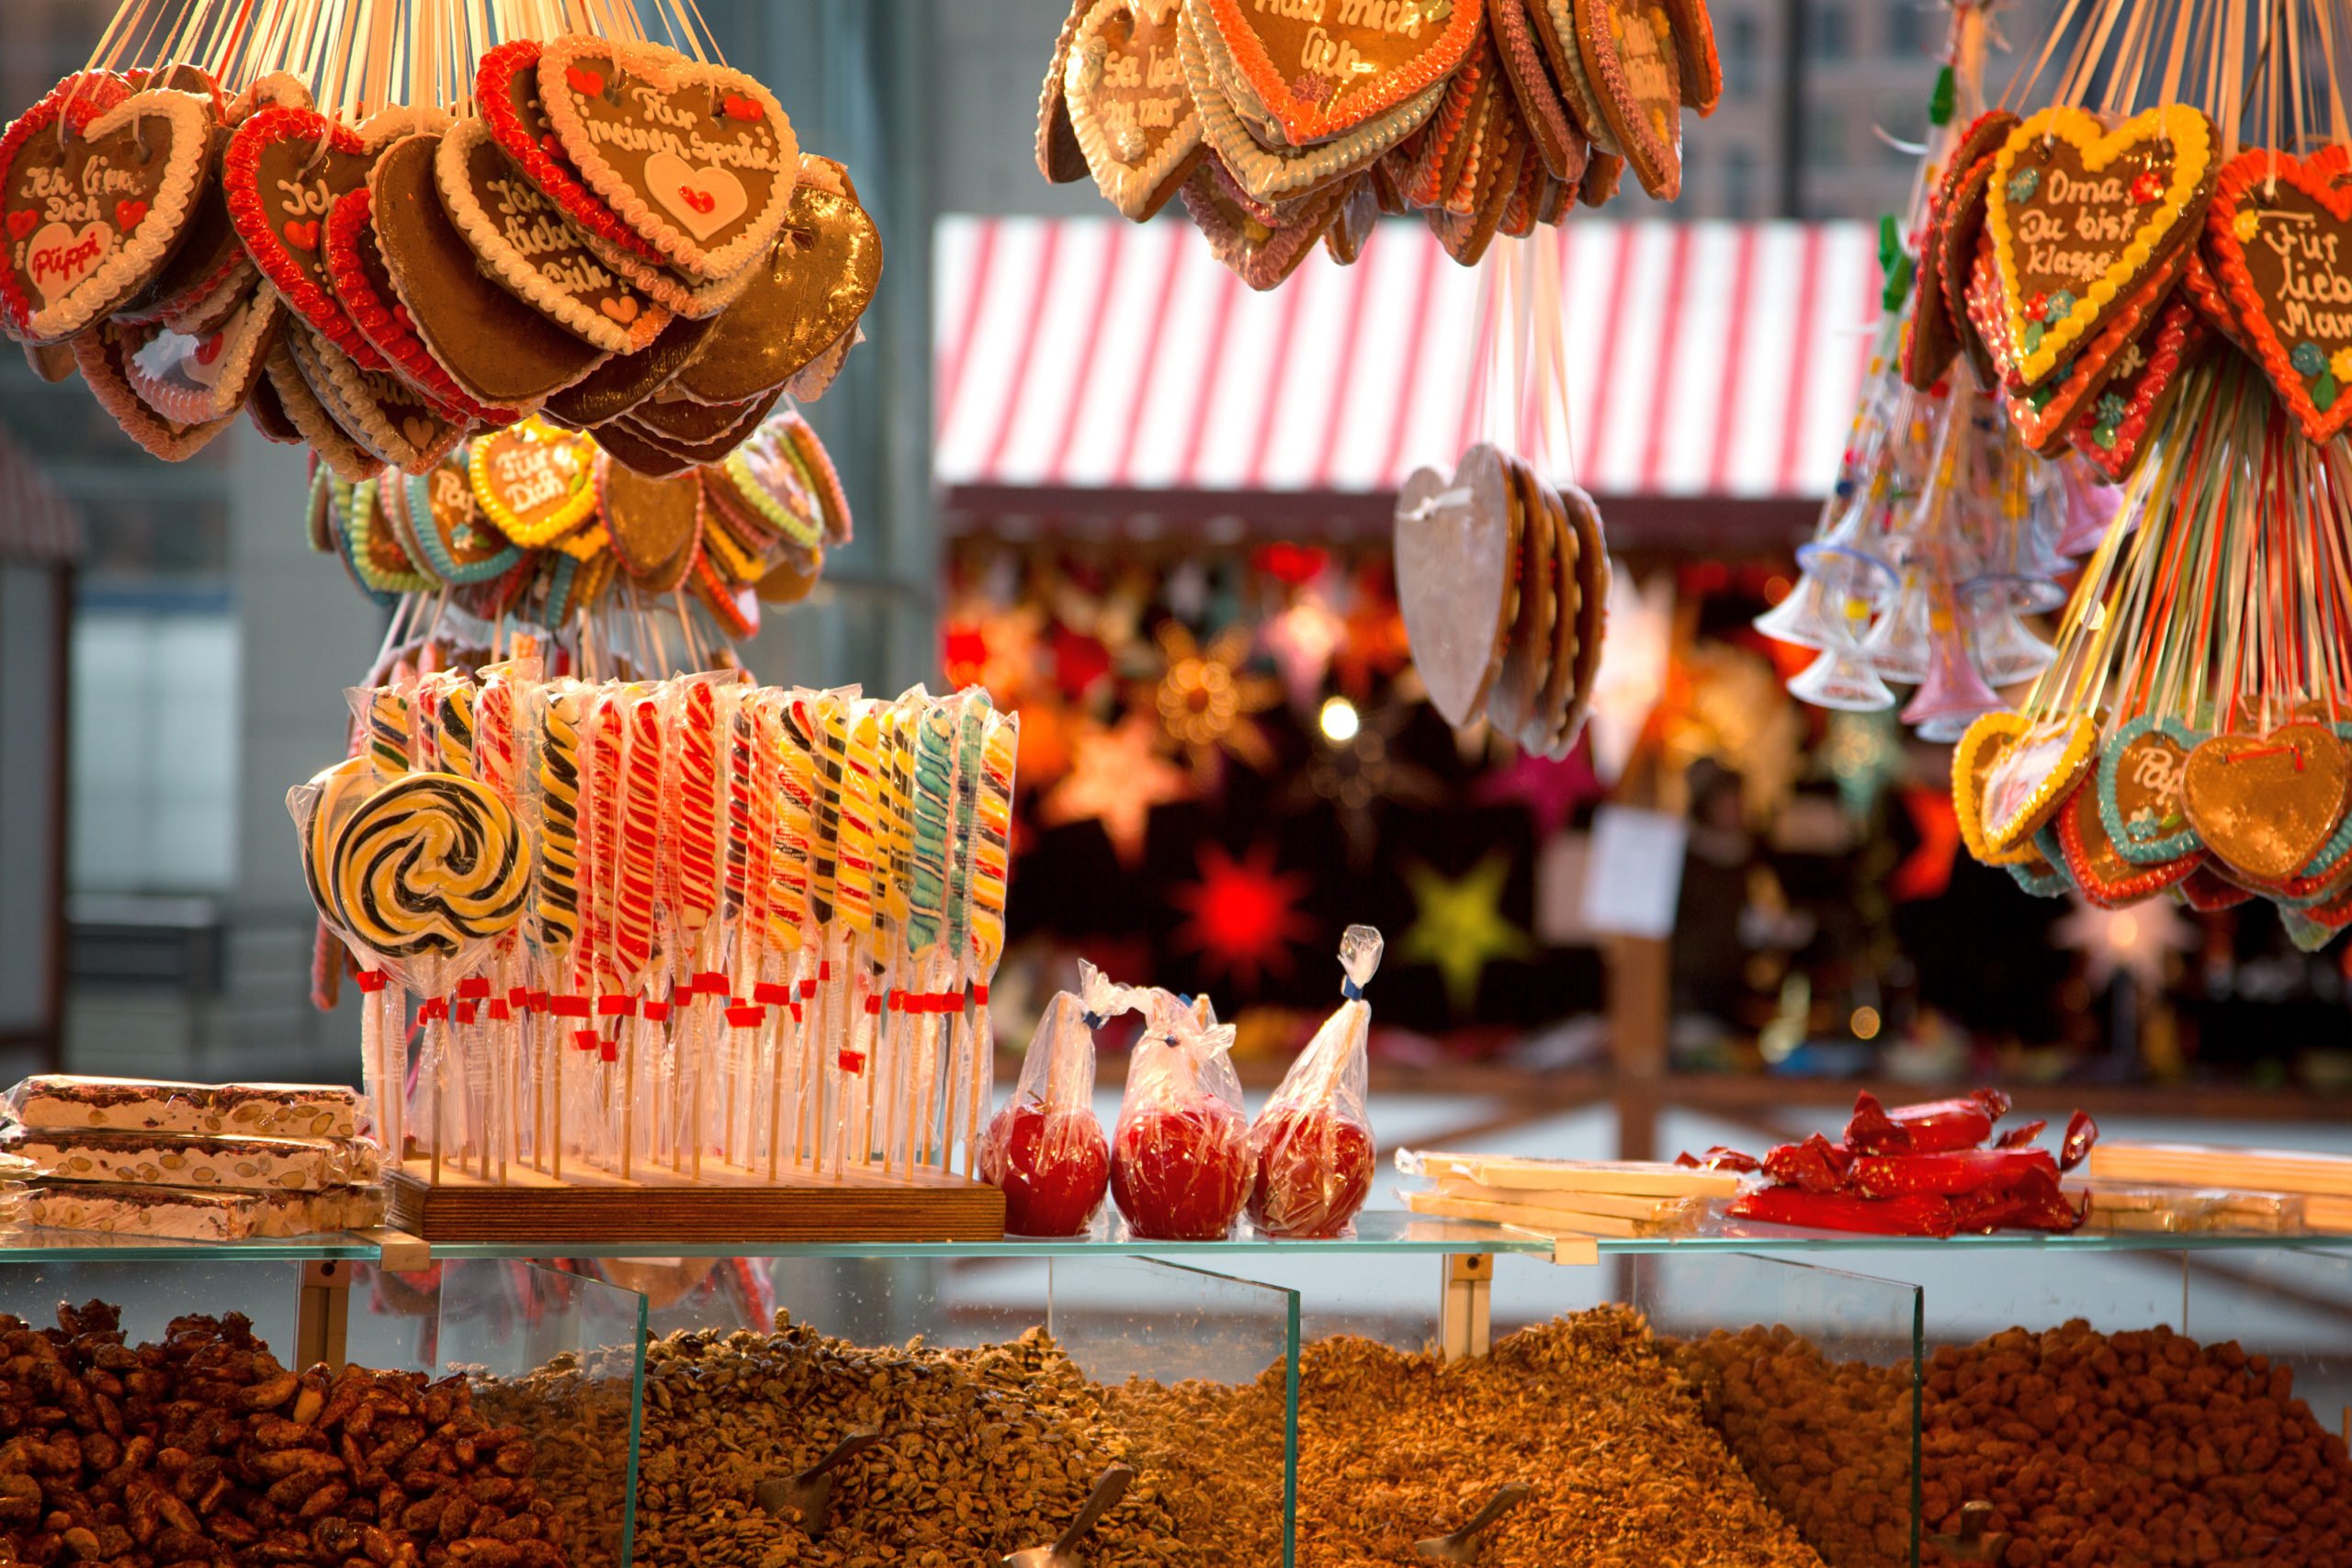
(1244,914)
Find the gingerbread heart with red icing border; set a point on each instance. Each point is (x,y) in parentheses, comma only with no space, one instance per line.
(2147,374)
(697,159)
(96,185)
(384,412)
(285,169)
(2279,239)
(2043,417)
(363,287)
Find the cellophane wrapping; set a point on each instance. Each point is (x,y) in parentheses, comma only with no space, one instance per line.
(1312,1144)
(1045,1148)
(1179,1157)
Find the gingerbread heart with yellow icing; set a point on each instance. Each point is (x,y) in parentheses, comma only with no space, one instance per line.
(2018,769)
(2278,235)
(2266,804)
(2079,215)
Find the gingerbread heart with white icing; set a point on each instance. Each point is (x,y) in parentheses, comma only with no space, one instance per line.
(96,187)
(2078,217)
(697,159)
(383,412)
(1128,104)
(1312,71)
(194,380)
(2278,236)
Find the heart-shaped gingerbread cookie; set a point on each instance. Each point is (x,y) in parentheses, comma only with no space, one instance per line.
(283,172)
(2078,216)
(2007,776)
(655,523)
(534,481)
(1626,52)
(2279,237)
(1128,104)
(2093,860)
(2267,804)
(697,159)
(1315,70)
(2147,374)
(102,353)
(2141,767)
(809,291)
(525,244)
(456,540)
(195,380)
(1454,574)
(2044,416)
(96,187)
(363,287)
(384,412)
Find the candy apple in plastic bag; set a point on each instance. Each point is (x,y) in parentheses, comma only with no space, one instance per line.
(1313,1142)
(1180,1157)
(1045,1148)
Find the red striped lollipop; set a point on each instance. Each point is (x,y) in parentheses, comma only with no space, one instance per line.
(640,830)
(694,843)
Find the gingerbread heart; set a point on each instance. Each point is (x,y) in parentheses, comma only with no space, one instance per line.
(2079,215)
(655,523)
(96,187)
(526,245)
(808,292)
(2044,415)
(1312,71)
(506,95)
(628,379)
(2138,783)
(456,540)
(535,482)
(363,287)
(2093,860)
(1558,139)
(1626,52)
(1260,254)
(2023,784)
(2147,374)
(1059,158)
(1453,575)
(2265,805)
(283,173)
(384,412)
(195,380)
(283,401)
(1128,104)
(2278,238)
(1277,172)
(697,159)
(102,353)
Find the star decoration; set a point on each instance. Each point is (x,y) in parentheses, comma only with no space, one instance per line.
(1079,661)
(1551,791)
(1116,777)
(1460,927)
(1301,640)
(984,644)
(1358,773)
(1372,645)
(1244,914)
(2125,942)
(1206,703)
(1926,871)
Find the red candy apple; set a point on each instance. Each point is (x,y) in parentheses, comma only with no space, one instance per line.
(1052,1163)
(1315,1167)
(1182,1169)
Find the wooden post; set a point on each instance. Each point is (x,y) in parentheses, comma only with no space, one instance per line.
(1464,1326)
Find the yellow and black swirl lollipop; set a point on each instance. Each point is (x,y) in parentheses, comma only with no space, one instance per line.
(428,865)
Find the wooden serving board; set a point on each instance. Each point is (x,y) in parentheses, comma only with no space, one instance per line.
(728,1203)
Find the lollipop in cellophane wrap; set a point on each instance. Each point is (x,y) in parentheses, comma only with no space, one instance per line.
(1179,1158)
(1045,1148)
(1313,1142)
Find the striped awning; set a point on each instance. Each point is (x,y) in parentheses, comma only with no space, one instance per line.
(38,523)
(1704,359)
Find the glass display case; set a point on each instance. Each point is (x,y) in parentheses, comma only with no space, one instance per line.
(1841,1399)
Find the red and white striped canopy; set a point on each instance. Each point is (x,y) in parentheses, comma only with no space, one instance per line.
(1717,359)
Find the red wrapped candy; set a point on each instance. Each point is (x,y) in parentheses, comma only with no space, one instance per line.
(1045,1148)
(1179,1158)
(1313,1142)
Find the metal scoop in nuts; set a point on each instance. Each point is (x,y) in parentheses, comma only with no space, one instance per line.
(1064,1552)
(1461,1546)
(809,1495)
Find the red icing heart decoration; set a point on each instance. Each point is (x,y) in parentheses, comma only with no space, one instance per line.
(734,106)
(209,349)
(583,81)
(23,222)
(284,171)
(2279,238)
(127,214)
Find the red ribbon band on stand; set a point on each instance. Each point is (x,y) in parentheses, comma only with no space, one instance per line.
(657,1012)
(616,1007)
(433,1010)
(708,983)
(568,1007)
(370,981)
(466,1012)
(474,987)
(499,1012)
(745,1015)
(851,1062)
(769,994)
(587,1039)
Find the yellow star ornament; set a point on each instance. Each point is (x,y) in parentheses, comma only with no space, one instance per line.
(1460,927)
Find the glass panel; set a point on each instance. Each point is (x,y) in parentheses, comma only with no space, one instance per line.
(2293,1305)
(1811,1375)
(559,1354)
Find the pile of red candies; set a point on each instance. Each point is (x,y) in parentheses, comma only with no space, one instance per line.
(1930,1170)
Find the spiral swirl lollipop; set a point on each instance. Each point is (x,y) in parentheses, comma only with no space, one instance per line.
(986,745)
(321,808)
(390,731)
(427,867)
(856,867)
(694,866)
(557,910)
(640,837)
(453,712)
